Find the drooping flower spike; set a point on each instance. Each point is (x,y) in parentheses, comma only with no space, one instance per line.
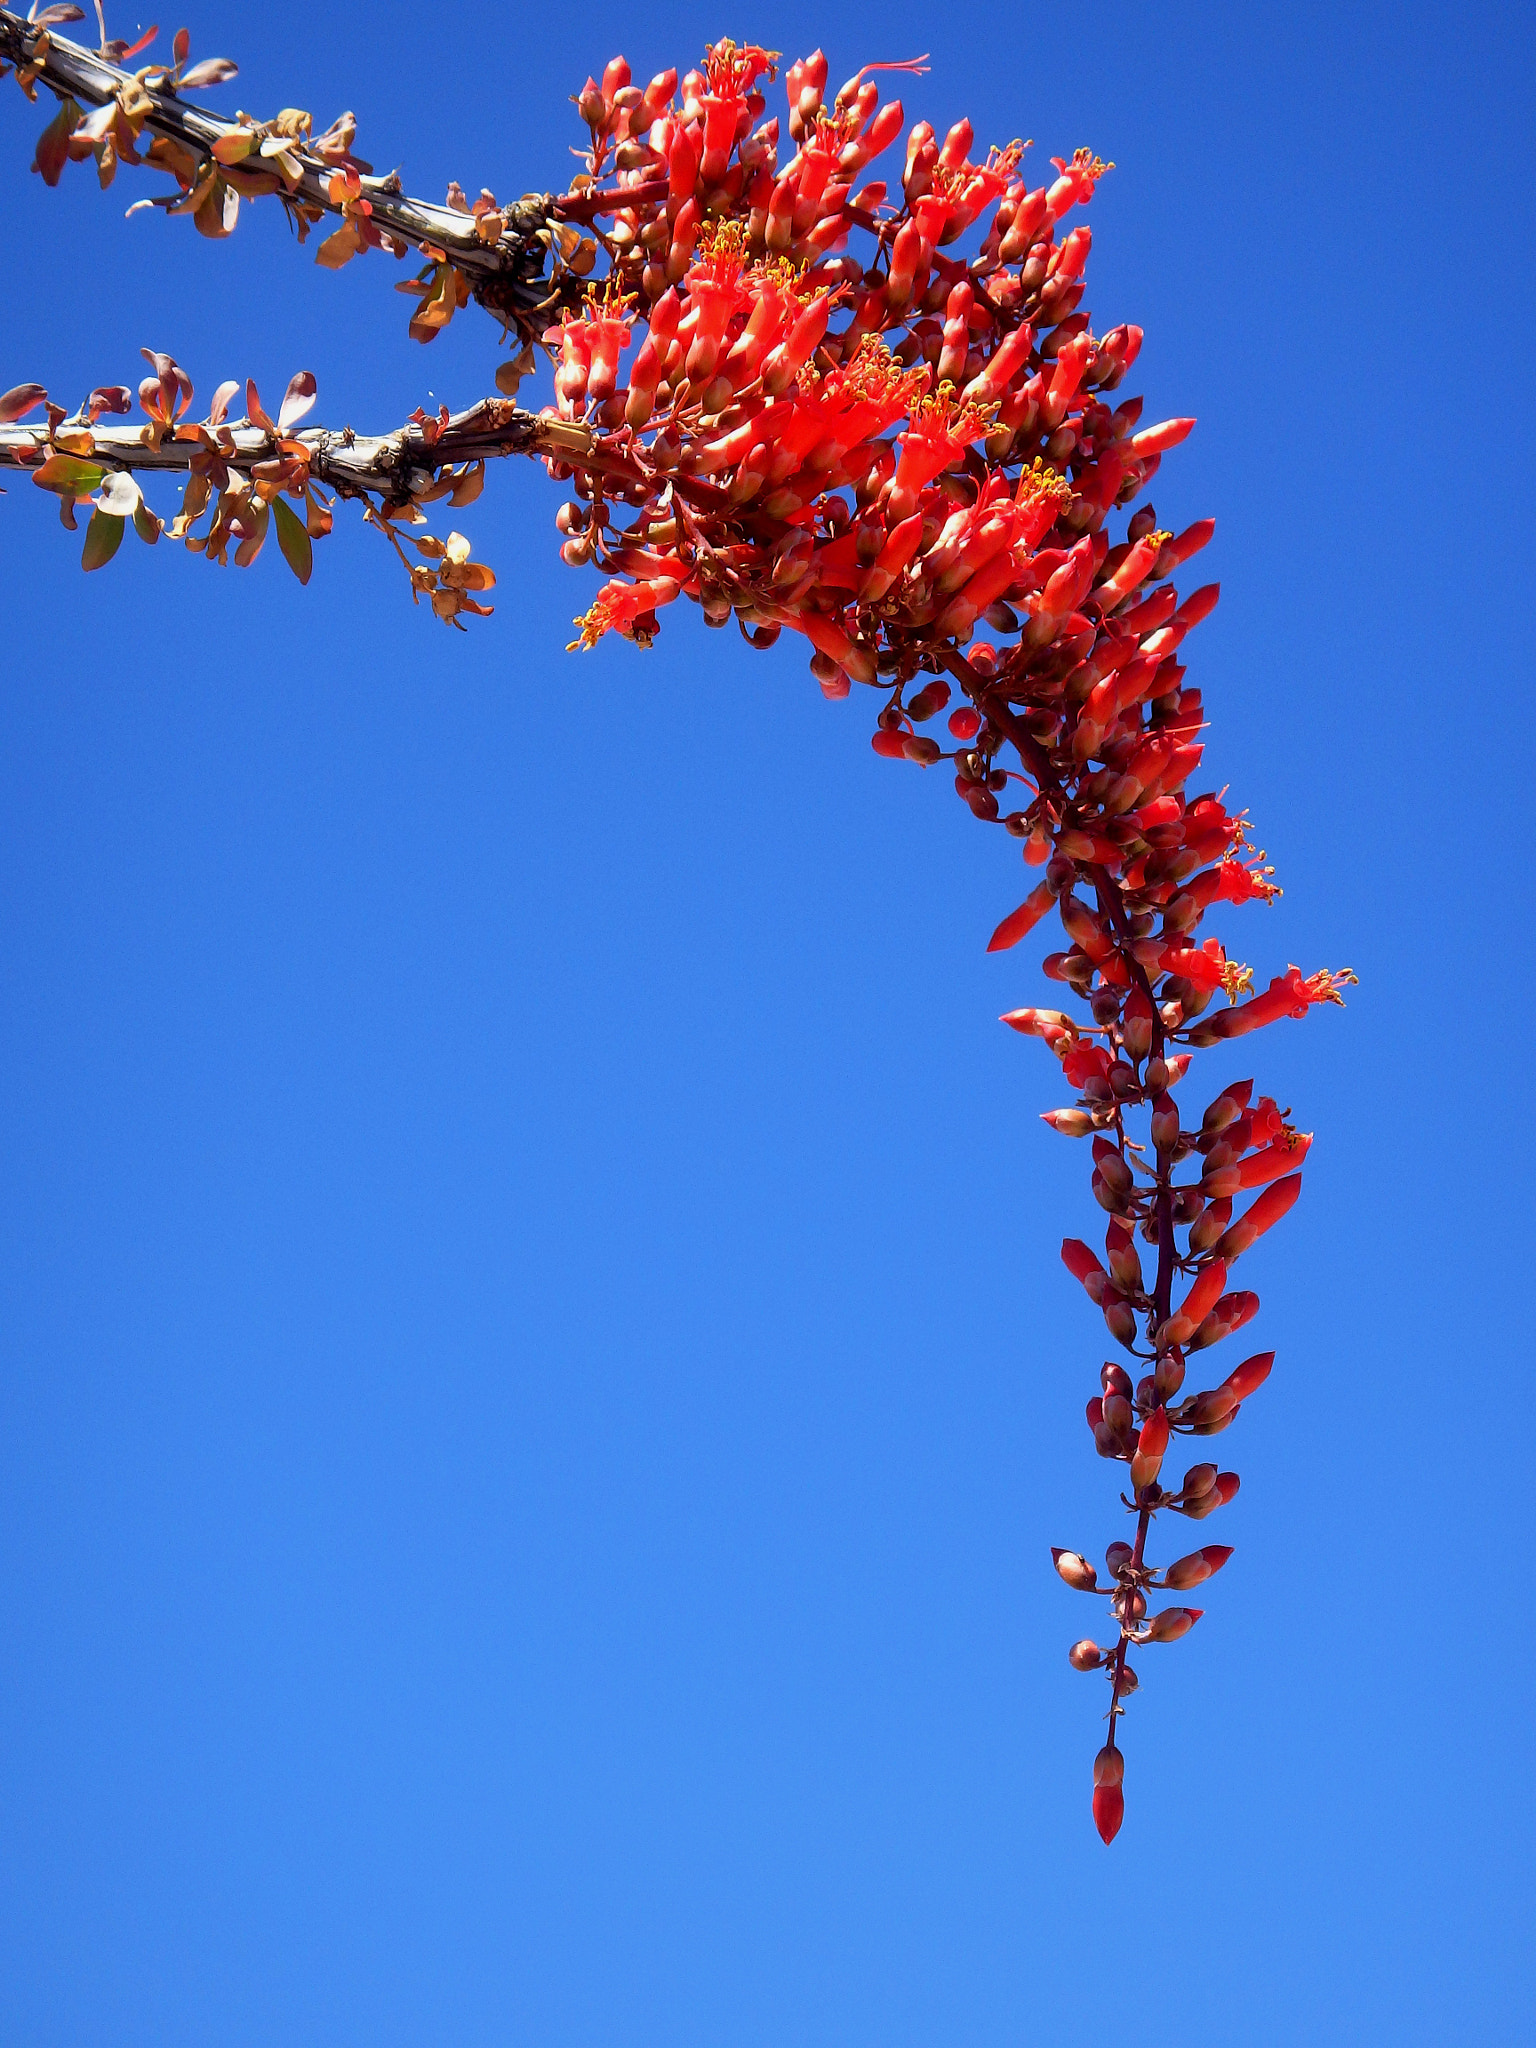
(865,402)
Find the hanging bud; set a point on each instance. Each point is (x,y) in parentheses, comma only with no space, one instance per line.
(1229,1314)
(1171,1624)
(1072,1123)
(1195,1569)
(1227,1108)
(1261,1216)
(1151,1446)
(1085,1656)
(1078,1573)
(1165,1123)
(1117,1555)
(1081,1262)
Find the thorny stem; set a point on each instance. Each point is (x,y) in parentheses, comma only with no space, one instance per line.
(508,275)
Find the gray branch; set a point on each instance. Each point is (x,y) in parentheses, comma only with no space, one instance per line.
(509,276)
(398,465)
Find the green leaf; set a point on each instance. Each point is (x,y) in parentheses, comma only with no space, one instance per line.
(103,538)
(69,476)
(298,552)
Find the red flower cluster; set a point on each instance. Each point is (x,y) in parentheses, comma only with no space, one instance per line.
(909,456)
(875,413)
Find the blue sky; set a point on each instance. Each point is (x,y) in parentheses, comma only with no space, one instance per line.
(537,1381)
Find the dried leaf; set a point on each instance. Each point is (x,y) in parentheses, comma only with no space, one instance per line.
(339,248)
(181,44)
(254,410)
(16,403)
(216,214)
(255,534)
(469,486)
(297,399)
(103,538)
(220,405)
(293,540)
(55,16)
(210,71)
(53,143)
(235,147)
(119,495)
(147,525)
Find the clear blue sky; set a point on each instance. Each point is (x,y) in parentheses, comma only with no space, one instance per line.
(537,1380)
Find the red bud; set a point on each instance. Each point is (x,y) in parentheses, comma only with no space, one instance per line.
(1195,1569)
(1085,1656)
(1076,1570)
(1171,1624)
(1151,1446)
(1108,1811)
(1022,920)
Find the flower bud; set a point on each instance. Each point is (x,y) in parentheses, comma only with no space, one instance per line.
(1117,1414)
(1165,1122)
(1229,1314)
(1078,1573)
(1198,1480)
(1114,1379)
(1108,1811)
(1208,1226)
(1246,1378)
(1108,1766)
(1072,1123)
(1195,1569)
(1169,1376)
(1085,1656)
(1118,1554)
(1120,1320)
(1151,1446)
(1228,1107)
(1171,1624)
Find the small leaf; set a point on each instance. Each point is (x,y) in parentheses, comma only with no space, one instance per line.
(143,43)
(469,486)
(339,248)
(255,535)
(220,406)
(216,213)
(16,403)
(293,540)
(210,71)
(236,146)
(103,538)
(53,143)
(181,44)
(55,16)
(254,410)
(297,399)
(146,524)
(69,476)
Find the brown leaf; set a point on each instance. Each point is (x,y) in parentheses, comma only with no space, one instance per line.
(234,147)
(53,143)
(16,403)
(297,399)
(215,217)
(339,248)
(210,71)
